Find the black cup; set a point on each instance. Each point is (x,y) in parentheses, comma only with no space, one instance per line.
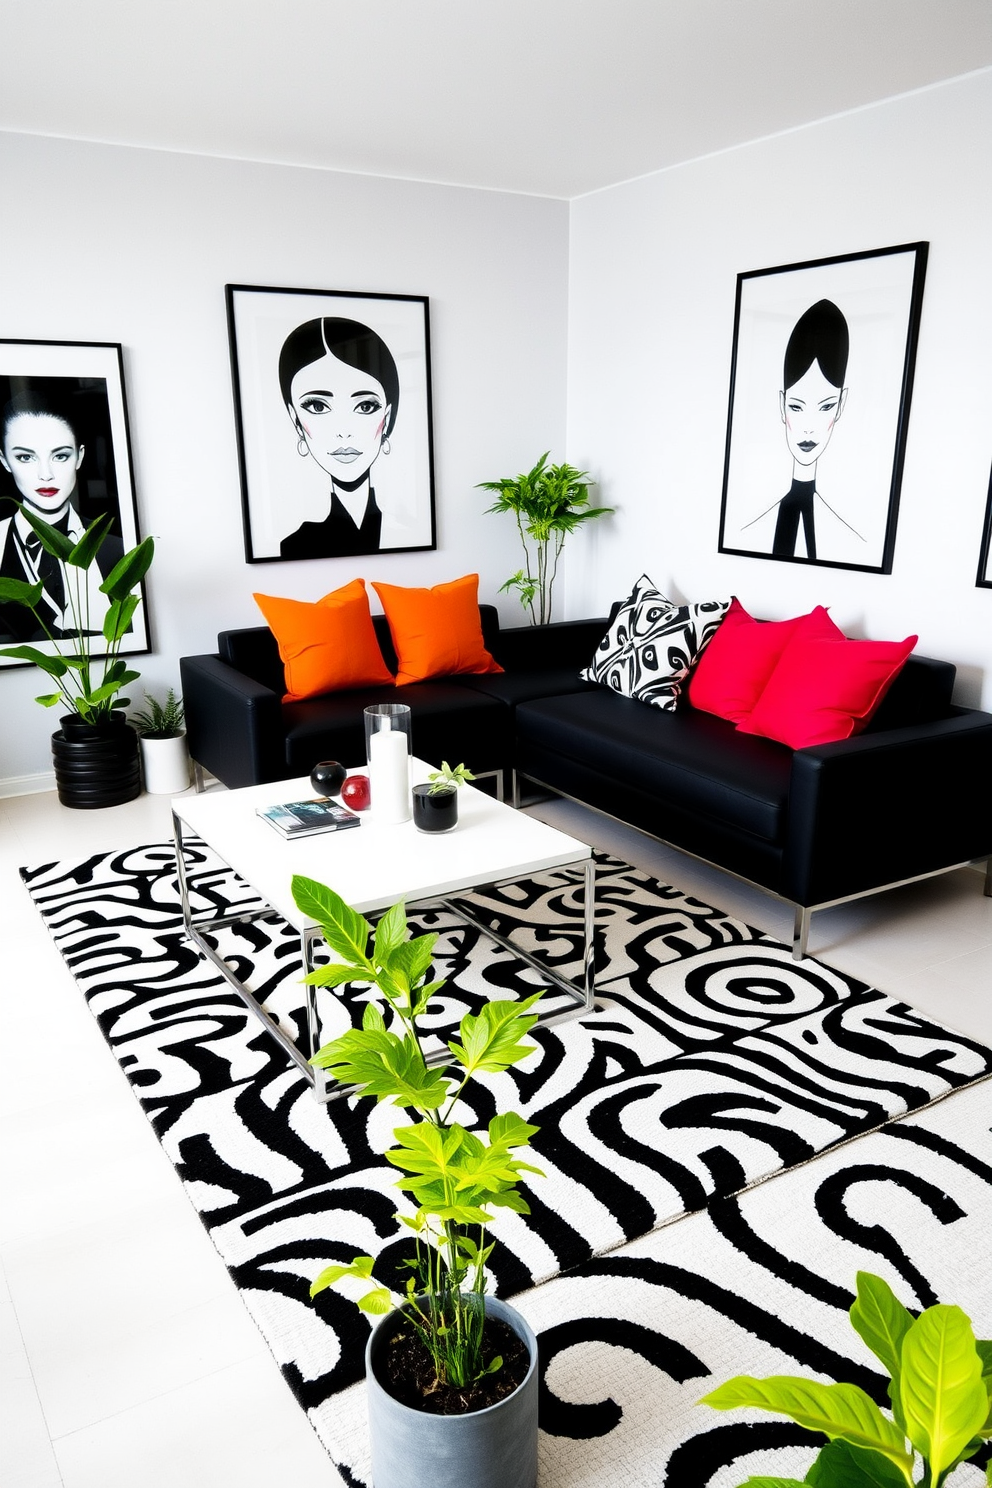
(437,812)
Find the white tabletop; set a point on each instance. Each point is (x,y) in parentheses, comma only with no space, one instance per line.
(372,866)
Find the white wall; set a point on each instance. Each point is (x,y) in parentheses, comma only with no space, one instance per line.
(653,268)
(135,246)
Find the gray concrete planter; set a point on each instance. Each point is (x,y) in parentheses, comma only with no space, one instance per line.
(493,1448)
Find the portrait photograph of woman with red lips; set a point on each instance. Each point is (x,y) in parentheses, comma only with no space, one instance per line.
(64,460)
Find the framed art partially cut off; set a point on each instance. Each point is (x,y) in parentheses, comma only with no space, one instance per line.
(66,458)
(984,580)
(332,394)
(820,390)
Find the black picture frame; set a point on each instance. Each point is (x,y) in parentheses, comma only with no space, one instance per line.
(861,313)
(81,384)
(374,492)
(984,579)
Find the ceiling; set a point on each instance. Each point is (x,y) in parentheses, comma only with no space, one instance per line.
(553,97)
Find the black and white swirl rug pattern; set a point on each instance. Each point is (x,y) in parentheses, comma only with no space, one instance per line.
(711,1061)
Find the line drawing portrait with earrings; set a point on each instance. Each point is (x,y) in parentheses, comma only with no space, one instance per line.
(333,422)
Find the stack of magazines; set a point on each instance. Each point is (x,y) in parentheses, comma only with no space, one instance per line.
(305,818)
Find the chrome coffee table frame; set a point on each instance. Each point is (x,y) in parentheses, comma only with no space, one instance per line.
(548,848)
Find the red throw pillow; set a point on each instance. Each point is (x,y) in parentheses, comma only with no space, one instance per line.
(326,647)
(824,690)
(741,657)
(436,632)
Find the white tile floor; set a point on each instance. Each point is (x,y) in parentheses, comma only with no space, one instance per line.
(125,1354)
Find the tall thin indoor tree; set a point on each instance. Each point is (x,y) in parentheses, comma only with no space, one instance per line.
(548,502)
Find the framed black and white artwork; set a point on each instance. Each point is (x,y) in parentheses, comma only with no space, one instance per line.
(984,580)
(66,457)
(332,395)
(820,388)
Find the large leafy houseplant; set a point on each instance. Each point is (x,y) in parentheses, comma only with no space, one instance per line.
(940,1395)
(455,1177)
(548,502)
(86,684)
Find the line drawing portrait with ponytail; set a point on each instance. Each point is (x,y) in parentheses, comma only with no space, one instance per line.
(333,403)
(820,391)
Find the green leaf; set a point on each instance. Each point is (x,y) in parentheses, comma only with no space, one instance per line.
(881,1320)
(491,1041)
(16,591)
(765,1482)
(52,540)
(53,665)
(107,689)
(384,1065)
(944,1399)
(361,1267)
(378,1302)
(118,618)
(334,975)
(512,1130)
(836,1410)
(372,1019)
(49,699)
(128,572)
(412,959)
(840,1465)
(345,930)
(984,1348)
(427,1150)
(90,543)
(391,932)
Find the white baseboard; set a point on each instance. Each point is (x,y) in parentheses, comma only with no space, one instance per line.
(27,785)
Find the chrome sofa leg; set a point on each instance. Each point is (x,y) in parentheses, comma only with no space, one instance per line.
(800,932)
(515,791)
(988,878)
(198,777)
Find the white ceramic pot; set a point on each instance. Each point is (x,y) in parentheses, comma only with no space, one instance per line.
(165,765)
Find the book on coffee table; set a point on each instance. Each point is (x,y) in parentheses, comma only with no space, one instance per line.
(305,818)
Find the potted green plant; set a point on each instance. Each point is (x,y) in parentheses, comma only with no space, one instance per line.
(451,1371)
(161,730)
(435,805)
(95,751)
(549,502)
(940,1394)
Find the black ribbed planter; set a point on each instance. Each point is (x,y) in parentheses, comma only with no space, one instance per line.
(96,764)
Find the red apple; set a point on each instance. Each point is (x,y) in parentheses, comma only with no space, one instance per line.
(355,793)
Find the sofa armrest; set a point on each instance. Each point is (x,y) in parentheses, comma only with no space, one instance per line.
(233,723)
(881,808)
(563,643)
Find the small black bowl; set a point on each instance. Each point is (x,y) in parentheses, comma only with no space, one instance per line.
(328,777)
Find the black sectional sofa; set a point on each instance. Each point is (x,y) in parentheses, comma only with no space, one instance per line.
(909,797)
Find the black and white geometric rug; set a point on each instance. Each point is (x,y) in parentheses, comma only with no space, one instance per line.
(711,1062)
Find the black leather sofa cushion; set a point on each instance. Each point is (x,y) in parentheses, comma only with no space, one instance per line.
(522,687)
(448,722)
(920,693)
(697,762)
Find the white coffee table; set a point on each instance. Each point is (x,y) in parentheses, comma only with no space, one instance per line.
(371,867)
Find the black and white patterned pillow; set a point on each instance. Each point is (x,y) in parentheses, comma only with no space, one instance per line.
(652,644)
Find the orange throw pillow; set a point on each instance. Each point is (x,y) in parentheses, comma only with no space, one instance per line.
(326,647)
(436,632)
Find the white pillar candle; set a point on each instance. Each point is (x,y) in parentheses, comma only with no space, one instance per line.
(389,774)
